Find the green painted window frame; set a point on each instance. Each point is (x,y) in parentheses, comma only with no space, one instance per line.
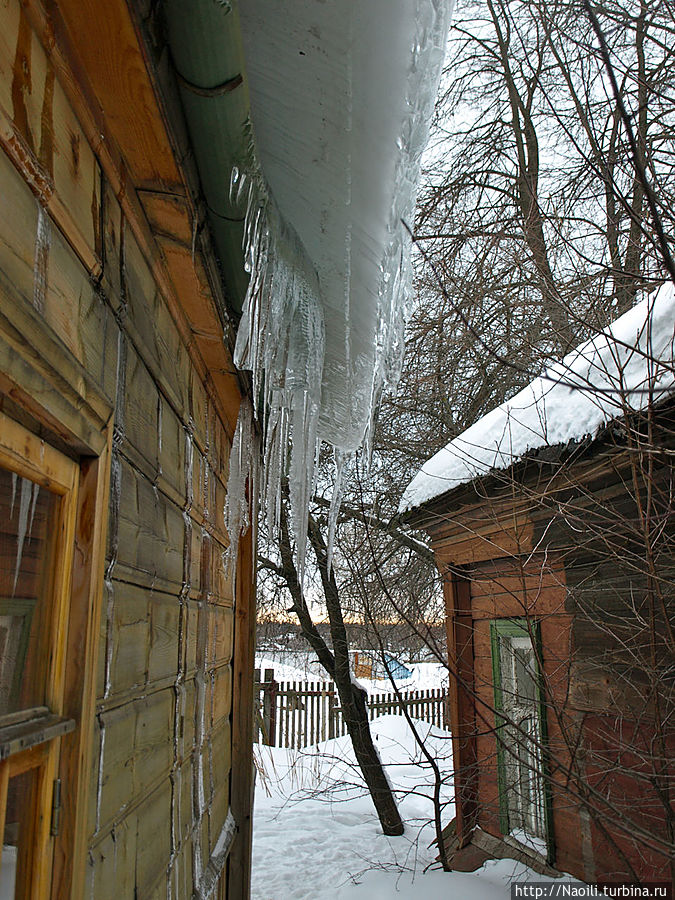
(529,628)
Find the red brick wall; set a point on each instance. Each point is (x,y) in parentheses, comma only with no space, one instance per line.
(620,769)
(510,588)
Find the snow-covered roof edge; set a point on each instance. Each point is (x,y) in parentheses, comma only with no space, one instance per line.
(282,334)
(618,369)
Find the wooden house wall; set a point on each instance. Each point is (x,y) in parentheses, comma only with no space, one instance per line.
(619,678)
(165,682)
(160,780)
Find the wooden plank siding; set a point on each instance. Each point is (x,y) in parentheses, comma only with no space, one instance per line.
(114,348)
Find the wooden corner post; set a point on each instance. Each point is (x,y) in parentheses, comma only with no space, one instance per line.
(239,863)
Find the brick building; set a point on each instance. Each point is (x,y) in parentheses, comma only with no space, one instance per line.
(551,521)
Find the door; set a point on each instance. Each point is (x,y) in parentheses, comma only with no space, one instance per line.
(38,500)
(520,733)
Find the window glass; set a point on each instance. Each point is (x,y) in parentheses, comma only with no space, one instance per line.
(523,659)
(28,519)
(17,841)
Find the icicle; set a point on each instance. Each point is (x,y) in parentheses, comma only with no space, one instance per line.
(196,859)
(115,502)
(304,420)
(160,407)
(281,336)
(36,491)
(281,340)
(241,461)
(41,263)
(99,778)
(24,508)
(11,509)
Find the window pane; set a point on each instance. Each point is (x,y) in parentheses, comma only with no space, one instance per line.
(525,680)
(27,526)
(521,762)
(17,840)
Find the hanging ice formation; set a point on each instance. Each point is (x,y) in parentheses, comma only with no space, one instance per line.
(341,99)
(27,503)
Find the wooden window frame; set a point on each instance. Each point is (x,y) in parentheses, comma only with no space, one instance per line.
(29,457)
(519,628)
(71,693)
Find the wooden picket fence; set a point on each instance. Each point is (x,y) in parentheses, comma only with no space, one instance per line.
(298,714)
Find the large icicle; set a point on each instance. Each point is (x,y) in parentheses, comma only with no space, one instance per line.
(281,340)
(241,466)
(28,490)
(341,99)
(428,50)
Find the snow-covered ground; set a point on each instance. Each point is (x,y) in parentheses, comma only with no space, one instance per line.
(316,834)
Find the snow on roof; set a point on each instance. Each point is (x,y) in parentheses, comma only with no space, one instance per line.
(341,100)
(617,369)
(341,95)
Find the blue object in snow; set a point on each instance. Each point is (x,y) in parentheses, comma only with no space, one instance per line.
(397,669)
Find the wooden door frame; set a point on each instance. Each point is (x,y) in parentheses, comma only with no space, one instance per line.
(70,850)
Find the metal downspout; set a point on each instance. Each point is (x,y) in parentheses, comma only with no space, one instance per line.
(205,42)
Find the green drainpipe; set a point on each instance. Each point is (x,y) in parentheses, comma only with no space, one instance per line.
(205,41)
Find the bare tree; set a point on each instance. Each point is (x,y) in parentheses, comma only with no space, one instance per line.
(547,189)
(335,660)
(534,211)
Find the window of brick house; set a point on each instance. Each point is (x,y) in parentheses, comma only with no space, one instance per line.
(521,732)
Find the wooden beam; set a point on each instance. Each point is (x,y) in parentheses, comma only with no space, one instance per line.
(457,592)
(80,688)
(241,790)
(108,51)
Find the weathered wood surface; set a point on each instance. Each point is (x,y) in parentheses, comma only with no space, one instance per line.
(70,313)
(95,100)
(42,136)
(166,542)
(107,317)
(480,534)
(80,684)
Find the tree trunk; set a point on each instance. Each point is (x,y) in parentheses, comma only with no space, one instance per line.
(355,713)
(336,663)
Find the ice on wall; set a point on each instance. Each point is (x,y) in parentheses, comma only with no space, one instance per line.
(236,500)
(619,369)
(341,98)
